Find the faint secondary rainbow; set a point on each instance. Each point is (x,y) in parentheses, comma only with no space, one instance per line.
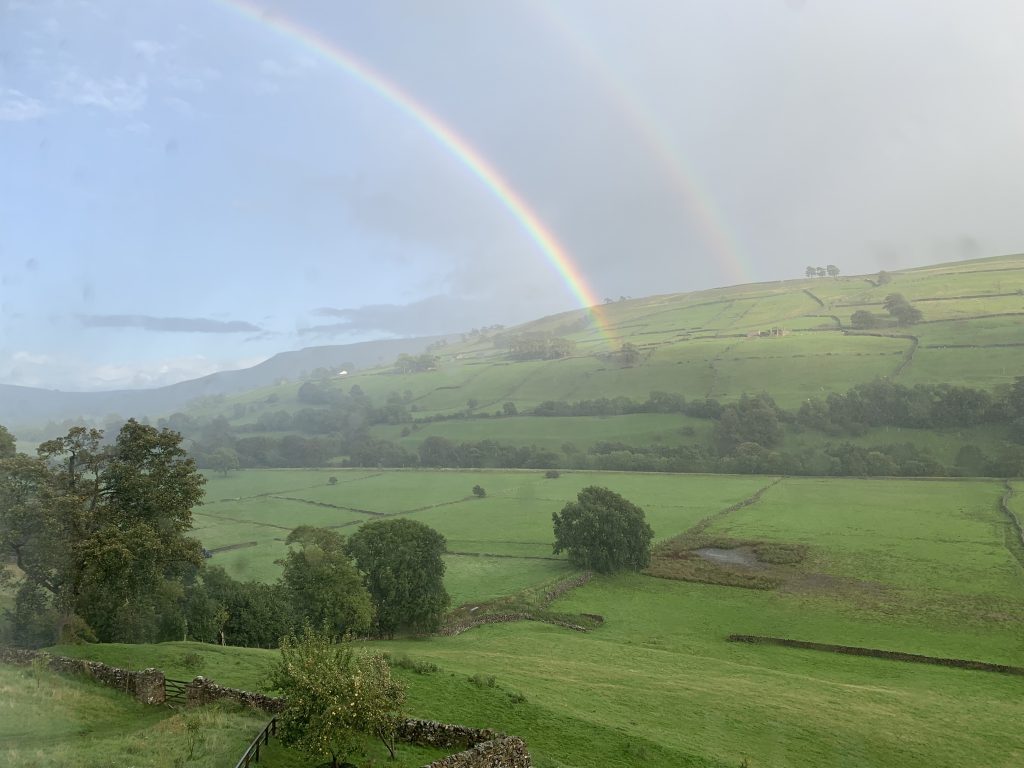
(555,253)
(696,200)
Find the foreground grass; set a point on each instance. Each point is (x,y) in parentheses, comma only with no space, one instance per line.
(51,720)
(48,720)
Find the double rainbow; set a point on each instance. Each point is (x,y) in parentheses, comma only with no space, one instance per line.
(445,135)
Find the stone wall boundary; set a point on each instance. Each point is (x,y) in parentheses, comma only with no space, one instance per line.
(482,747)
(146,685)
(877,653)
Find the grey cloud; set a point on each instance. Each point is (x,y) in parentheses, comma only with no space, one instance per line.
(431,316)
(169,324)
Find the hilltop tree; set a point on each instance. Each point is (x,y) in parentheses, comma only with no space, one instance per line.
(404,573)
(603,531)
(811,272)
(99,532)
(832,270)
(820,271)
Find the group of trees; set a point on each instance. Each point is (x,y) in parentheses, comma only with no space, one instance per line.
(831,271)
(417,363)
(747,434)
(900,310)
(535,346)
(336,694)
(100,534)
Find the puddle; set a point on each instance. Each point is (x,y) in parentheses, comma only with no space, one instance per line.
(739,556)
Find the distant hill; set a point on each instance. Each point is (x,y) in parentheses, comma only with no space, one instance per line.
(29,406)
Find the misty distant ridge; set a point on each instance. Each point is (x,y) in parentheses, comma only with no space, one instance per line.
(32,406)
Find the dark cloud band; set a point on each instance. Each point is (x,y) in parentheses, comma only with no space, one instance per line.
(169,324)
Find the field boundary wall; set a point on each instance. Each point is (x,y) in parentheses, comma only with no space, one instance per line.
(1017,549)
(145,685)
(482,747)
(877,653)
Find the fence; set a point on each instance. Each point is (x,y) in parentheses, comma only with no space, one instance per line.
(252,754)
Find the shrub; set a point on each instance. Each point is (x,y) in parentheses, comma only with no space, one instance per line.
(483,681)
(479,492)
(192,661)
(418,666)
(551,474)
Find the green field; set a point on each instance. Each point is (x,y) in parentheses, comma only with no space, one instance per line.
(47,720)
(920,566)
(512,524)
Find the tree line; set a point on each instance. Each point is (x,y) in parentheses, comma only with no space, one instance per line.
(334,430)
(100,534)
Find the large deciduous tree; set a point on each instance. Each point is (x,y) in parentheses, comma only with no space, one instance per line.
(404,573)
(603,531)
(324,586)
(99,531)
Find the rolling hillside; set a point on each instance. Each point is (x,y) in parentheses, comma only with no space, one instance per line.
(706,344)
(794,341)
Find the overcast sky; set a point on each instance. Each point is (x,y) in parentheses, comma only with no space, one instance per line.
(183,188)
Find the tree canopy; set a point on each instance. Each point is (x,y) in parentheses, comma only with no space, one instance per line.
(603,531)
(323,584)
(99,532)
(333,695)
(404,573)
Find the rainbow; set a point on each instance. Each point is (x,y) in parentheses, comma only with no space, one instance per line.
(448,138)
(698,203)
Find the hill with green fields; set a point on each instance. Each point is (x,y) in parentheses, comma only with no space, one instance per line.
(824,376)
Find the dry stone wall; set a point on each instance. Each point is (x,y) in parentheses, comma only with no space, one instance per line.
(202,691)
(482,747)
(509,752)
(146,685)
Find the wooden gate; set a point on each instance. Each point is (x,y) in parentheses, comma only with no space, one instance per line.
(175,691)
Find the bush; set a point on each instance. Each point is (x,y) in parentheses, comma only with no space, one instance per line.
(418,666)
(551,474)
(479,492)
(192,661)
(483,681)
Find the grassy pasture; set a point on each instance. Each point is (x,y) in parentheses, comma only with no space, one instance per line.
(981,367)
(919,566)
(48,720)
(991,330)
(500,536)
